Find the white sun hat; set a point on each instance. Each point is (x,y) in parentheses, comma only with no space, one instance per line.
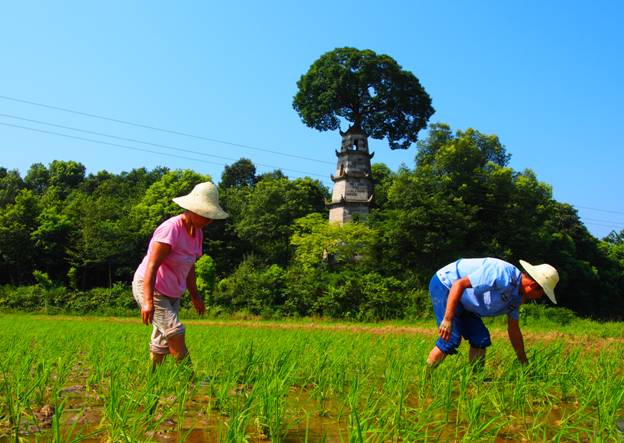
(545,275)
(203,200)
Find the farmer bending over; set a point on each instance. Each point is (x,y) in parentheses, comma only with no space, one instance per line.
(168,270)
(468,289)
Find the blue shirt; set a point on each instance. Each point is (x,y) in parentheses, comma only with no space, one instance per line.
(495,285)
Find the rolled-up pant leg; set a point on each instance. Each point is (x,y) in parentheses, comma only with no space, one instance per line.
(166,321)
(439,297)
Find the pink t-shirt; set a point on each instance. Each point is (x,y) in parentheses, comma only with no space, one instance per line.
(185,250)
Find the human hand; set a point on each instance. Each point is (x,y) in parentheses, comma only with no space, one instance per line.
(445,329)
(198,303)
(147,312)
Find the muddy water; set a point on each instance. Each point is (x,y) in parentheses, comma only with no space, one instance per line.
(85,416)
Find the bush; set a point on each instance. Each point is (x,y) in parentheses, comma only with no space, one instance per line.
(117,300)
(419,304)
(364,297)
(251,287)
(205,273)
(23,298)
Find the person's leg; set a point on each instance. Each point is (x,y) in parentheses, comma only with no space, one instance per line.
(476,356)
(158,346)
(478,336)
(177,347)
(435,357)
(439,295)
(175,333)
(157,359)
(158,343)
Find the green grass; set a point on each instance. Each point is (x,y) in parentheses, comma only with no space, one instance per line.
(305,381)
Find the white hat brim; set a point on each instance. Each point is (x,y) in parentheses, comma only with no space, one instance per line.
(530,269)
(211,211)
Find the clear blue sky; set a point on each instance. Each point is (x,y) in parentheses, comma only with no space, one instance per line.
(546,77)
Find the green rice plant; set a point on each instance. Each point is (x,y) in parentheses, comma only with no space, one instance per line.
(42,371)
(128,406)
(17,387)
(272,380)
(272,387)
(240,418)
(67,434)
(363,402)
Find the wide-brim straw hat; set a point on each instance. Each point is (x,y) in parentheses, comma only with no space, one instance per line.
(203,200)
(545,275)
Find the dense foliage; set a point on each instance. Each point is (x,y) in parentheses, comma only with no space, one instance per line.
(371,91)
(64,235)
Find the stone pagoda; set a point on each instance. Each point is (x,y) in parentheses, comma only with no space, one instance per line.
(353,186)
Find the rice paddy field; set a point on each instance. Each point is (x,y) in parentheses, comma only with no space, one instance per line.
(70,379)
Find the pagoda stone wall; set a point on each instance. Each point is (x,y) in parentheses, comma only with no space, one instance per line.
(353,187)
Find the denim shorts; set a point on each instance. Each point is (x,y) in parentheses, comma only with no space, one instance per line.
(466,324)
(166,322)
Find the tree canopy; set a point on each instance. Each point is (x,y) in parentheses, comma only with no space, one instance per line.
(278,253)
(372,92)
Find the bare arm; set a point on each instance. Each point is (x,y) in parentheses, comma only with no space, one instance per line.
(191,285)
(515,337)
(157,255)
(451,306)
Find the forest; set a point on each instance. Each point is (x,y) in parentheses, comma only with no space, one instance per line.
(71,240)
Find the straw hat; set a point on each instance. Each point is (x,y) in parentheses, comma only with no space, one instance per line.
(203,200)
(545,275)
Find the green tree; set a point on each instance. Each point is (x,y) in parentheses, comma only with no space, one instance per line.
(272,175)
(613,247)
(319,243)
(370,91)
(382,180)
(10,184)
(334,273)
(17,252)
(102,243)
(66,175)
(269,210)
(253,286)
(221,240)
(206,278)
(37,178)
(51,238)
(238,174)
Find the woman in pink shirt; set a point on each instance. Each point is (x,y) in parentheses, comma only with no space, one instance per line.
(168,270)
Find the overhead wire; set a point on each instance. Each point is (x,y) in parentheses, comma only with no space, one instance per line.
(156,128)
(604,223)
(600,210)
(133,140)
(43,131)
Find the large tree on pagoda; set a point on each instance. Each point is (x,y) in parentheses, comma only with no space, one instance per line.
(372,92)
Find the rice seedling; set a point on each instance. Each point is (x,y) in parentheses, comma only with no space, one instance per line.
(295,384)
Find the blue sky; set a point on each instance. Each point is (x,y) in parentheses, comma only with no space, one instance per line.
(546,77)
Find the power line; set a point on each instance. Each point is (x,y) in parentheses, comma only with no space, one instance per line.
(605,226)
(591,221)
(601,210)
(43,131)
(603,221)
(180,133)
(133,140)
(155,128)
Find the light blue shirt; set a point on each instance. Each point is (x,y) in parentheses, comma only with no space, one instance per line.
(495,285)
